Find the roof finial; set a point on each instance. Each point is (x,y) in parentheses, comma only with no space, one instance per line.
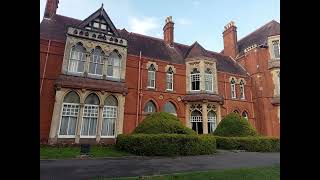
(102,5)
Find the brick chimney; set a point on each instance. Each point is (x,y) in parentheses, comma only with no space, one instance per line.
(51,8)
(230,40)
(168,31)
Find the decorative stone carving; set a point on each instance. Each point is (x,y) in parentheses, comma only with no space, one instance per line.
(154,64)
(196,107)
(172,67)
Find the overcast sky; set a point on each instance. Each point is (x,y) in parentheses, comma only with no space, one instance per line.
(195,20)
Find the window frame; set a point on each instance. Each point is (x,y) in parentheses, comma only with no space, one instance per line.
(83,54)
(102,58)
(192,80)
(208,76)
(112,64)
(151,70)
(82,122)
(196,120)
(242,90)
(169,76)
(115,120)
(77,120)
(274,52)
(233,89)
(213,120)
(247,115)
(146,106)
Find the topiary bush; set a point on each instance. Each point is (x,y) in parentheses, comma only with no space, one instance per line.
(166,144)
(233,125)
(160,123)
(251,144)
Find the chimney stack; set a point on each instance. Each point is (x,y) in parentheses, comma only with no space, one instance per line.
(230,40)
(168,31)
(51,8)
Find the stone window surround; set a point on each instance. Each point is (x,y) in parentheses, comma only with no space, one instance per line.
(270,39)
(90,45)
(276,82)
(56,117)
(203,107)
(202,63)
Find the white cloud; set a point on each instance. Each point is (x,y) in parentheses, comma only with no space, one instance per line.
(143,25)
(183,21)
(195,3)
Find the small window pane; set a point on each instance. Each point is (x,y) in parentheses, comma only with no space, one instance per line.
(103,26)
(71,97)
(92,99)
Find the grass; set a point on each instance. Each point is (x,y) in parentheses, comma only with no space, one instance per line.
(261,173)
(47,152)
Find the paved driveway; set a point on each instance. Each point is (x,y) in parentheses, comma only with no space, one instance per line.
(135,166)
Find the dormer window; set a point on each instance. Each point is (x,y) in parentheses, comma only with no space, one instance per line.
(208,80)
(195,80)
(276,49)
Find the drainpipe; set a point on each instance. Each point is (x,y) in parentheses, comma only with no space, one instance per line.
(138,91)
(45,66)
(141,89)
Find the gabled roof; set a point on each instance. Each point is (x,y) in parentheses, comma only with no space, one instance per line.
(99,13)
(196,50)
(259,36)
(56,27)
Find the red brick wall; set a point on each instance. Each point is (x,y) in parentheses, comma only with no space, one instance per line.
(53,69)
(256,63)
(132,70)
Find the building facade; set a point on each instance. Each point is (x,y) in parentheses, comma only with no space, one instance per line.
(97,81)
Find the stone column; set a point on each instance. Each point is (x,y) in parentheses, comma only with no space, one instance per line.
(202,79)
(205,118)
(55,121)
(187,120)
(218,114)
(100,119)
(119,123)
(78,128)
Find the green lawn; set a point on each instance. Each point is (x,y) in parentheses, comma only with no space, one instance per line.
(264,173)
(73,152)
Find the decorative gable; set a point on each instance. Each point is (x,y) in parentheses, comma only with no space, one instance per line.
(100,21)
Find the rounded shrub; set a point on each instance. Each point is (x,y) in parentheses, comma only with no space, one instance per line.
(233,125)
(162,123)
(166,144)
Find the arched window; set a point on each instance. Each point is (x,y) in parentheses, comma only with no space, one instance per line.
(151,76)
(96,62)
(109,116)
(208,80)
(236,111)
(245,114)
(114,64)
(196,121)
(233,88)
(170,79)
(169,107)
(195,80)
(90,116)
(242,96)
(69,115)
(212,121)
(150,107)
(77,59)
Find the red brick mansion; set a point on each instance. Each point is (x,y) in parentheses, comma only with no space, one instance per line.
(97,81)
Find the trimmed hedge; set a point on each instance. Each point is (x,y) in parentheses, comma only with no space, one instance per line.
(162,123)
(166,144)
(251,144)
(234,125)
